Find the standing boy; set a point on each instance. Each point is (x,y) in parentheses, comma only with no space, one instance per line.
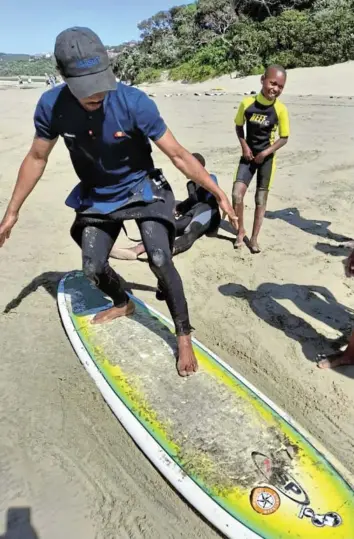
(263,115)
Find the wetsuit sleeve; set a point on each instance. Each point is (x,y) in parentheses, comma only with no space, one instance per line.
(43,120)
(186,205)
(148,118)
(192,191)
(284,124)
(240,116)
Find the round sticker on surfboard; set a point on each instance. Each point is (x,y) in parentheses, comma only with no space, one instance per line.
(265,500)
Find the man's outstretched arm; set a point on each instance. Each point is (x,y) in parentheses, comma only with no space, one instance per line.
(193,170)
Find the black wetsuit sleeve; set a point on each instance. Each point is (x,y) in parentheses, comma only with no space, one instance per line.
(192,192)
(185,206)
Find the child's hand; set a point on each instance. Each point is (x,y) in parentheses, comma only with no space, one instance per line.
(247,154)
(260,158)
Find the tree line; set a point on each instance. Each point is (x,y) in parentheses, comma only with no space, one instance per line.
(14,68)
(209,38)
(212,37)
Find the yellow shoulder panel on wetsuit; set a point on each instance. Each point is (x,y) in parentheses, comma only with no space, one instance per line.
(283,119)
(245,103)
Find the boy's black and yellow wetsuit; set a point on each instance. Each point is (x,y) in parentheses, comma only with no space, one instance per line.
(263,119)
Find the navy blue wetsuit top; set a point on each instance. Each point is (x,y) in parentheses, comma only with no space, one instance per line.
(109,148)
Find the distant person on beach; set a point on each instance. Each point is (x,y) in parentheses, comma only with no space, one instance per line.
(263,115)
(343,357)
(195,217)
(107,128)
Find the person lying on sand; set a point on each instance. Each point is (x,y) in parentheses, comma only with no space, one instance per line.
(343,357)
(107,128)
(194,217)
(263,115)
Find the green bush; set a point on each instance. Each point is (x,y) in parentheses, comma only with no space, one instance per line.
(193,72)
(294,39)
(149,74)
(209,62)
(197,47)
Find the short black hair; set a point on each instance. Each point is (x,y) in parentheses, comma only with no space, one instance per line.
(200,158)
(276,67)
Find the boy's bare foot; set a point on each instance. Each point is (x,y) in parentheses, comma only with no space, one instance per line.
(240,239)
(187,363)
(123,254)
(254,247)
(130,253)
(114,312)
(331,361)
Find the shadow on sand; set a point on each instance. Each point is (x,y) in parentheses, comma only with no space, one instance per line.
(18,524)
(50,281)
(315,301)
(310,226)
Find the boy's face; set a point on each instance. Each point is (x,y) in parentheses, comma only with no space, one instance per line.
(273,84)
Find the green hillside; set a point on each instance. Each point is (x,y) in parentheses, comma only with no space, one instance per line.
(212,37)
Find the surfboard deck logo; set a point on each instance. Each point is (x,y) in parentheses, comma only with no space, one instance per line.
(278,476)
(265,500)
(238,459)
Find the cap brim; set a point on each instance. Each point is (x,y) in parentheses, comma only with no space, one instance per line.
(88,85)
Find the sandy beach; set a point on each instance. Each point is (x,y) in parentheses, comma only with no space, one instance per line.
(64,456)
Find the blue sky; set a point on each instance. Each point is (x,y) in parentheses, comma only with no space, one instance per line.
(30,26)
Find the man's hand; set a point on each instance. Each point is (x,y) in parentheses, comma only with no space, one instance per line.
(228,210)
(260,158)
(247,153)
(193,170)
(6,227)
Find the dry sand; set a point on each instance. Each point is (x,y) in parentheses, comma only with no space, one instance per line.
(63,454)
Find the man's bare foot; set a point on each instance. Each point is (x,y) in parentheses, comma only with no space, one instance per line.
(254,247)
(240,239)
(187,363)
(114,312)
(339,359)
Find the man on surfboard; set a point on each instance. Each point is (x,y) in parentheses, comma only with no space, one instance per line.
(195,216)
(106,127)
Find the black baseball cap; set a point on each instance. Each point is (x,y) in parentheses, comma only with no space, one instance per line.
(83,62)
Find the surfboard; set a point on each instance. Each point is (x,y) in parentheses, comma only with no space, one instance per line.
(243,463)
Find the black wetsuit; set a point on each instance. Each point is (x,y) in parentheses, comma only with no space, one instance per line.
(199,215)
(111,153)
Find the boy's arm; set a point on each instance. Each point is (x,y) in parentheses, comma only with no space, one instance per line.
(275,147)
(187,204)
(284,132)
(240,132)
